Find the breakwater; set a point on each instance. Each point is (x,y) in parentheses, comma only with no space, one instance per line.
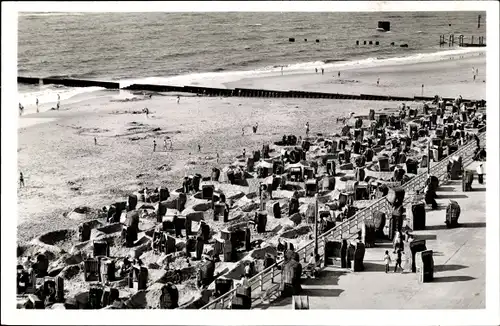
(222,92)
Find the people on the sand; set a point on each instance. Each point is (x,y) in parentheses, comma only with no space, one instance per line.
(217,158)
(199,148)
(171,145)
(316,70)
(165,144)
(322,71)
(281,70)
(255,127)
(21,109)
(154,145)
(243,131)
(378,81)
(178,99)
(398,261)
(339,74)
(480,173)
(21,180)
(387,261)
(95,141)
(37,105)
(307,129)
(244,153)
(146,111)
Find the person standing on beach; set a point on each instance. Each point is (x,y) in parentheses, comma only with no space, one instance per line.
(146,110)
(243,131)
(165,144)
(322,71)
(339,74)
(217,158)
(480,173)
(171,145)
(307,129)
(21,180)
(58,101)
(154,145)
(178,99)
(95,141)
(244,153)
(199,148)
(316,69)
(378,81)
(398,261)
(37,105)
(387,261)
(21,109)
(281,70)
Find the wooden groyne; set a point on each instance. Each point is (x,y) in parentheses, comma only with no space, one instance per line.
(223,92)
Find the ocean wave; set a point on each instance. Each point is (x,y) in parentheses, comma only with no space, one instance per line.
(219,78)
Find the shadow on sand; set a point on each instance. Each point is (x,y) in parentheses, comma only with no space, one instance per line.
(450,267)
(449,279)
(452,196)
(425,236)
(326,278)
(321,292)
(460,225)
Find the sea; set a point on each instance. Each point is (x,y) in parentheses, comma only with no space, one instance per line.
(220,47)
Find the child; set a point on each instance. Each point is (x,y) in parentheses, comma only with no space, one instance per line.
(387,260)
(398,262)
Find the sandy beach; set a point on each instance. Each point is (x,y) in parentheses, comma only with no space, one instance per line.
(64,169)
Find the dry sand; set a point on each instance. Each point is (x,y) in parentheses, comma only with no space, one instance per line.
(60,154)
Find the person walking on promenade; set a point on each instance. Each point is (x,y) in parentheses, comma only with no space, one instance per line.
(154,145)
(37,105)
(397,241)
(322,71)
(21,180)
(480,173)
(398,261)
(387,261)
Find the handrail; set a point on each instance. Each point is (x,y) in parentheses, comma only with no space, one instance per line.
(416,183)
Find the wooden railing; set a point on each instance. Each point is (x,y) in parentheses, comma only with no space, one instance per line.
(269,279)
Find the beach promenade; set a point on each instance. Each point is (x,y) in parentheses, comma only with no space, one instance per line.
(459,260)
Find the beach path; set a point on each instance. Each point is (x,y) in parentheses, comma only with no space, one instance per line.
(459,261)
